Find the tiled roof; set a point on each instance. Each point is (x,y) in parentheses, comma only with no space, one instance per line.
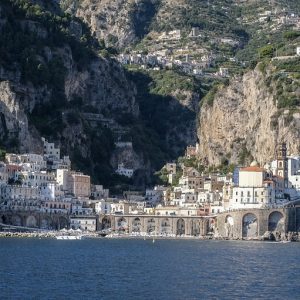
(252,169)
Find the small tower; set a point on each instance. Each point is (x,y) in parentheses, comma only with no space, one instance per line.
(282,163)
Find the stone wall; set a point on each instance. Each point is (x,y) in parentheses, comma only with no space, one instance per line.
(238,224)
(35,220)
(252,223)
(192,226)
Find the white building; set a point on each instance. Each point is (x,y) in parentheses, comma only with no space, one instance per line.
(255,190)
(86,223)
(103,207)
(35,179)
(155,195)
(124,171)
(60,206)
(50,150)
(33,162)
(208,197)
(223,72)
(78,209)
(52,157)
(166,210)
(10,192)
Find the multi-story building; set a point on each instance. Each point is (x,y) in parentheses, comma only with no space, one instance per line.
(256,189)
(33,162)
(57,207)
(34,179)
(154,196)
(192,182)
(78,208)
(294,173)
(122,170)
(9,192)
(103,207)
(50,151)
(75,183)
(85,223)
(98,192)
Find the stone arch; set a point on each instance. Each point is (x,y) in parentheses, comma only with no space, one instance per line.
(250,226)
(151,225)
(46,223)
(204,227)
(63,223)
(136,225)
(276,221)
(180,227)
(229,223)
(165,226)
(16,220)
(3,219)
(106,223)
(195,227)
(122,224)
(31,221)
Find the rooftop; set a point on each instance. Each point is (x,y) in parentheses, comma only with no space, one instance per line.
(252,169)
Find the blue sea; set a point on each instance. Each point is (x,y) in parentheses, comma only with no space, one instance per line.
(140,269)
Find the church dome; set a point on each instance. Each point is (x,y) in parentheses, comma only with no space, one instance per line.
(254,164)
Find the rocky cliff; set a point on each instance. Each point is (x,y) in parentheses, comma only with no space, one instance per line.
(244,122)
(53,84)
(119,23)
(57,81)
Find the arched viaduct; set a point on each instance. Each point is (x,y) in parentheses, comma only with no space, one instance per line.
(153,224)
(237,224)
(35,220)
(252,223)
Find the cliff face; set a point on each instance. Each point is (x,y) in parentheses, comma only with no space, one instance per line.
(14,127)
(56,81)
(53,85)
(244,122)
(118,22)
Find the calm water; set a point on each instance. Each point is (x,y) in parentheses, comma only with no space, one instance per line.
(138,269)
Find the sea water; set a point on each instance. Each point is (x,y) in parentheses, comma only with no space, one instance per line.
(140,269)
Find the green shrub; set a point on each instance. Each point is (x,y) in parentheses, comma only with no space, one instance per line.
(266,51)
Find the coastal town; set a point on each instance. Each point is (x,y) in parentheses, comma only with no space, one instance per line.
(195,53)
(46,184)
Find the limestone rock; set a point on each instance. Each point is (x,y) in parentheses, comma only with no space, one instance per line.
(244,118)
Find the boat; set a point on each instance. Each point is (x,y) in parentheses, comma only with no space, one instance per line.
(68,237)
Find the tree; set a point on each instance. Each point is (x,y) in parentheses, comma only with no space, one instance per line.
(266,51)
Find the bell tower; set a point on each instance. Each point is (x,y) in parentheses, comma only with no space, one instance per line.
(282,163)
